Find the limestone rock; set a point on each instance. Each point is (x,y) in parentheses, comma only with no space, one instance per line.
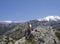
(42,34)
(45,34)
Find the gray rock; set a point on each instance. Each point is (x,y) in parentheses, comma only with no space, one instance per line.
(42,34)
(45,35)
(21,41)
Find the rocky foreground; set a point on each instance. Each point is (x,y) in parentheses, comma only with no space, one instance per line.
(42,35)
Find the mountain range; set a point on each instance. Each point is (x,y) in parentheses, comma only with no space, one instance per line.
(53,21)
(16,29)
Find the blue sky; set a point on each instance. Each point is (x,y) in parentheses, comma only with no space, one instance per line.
(23,10)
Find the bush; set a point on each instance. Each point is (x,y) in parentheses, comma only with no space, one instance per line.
(29,42)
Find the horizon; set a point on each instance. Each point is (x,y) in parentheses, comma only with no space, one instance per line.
(9,21)
(25,10)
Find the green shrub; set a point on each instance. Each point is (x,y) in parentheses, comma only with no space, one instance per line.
(29,42)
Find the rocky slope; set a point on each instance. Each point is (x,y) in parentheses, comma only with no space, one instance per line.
(43,35)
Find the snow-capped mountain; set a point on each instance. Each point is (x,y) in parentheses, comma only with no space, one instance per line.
(50,18)
(53,21)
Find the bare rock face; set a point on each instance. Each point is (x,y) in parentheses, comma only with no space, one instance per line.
(45,35)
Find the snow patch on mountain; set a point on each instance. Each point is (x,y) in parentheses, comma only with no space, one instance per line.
(50,18)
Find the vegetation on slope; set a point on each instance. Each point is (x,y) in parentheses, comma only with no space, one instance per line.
(31,42)
(58,35)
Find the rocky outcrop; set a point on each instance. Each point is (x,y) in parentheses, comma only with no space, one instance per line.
(45,35)
(42,34)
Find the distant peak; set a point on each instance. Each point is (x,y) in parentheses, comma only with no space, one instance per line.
(9,21)
(48,18)
(5,21)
